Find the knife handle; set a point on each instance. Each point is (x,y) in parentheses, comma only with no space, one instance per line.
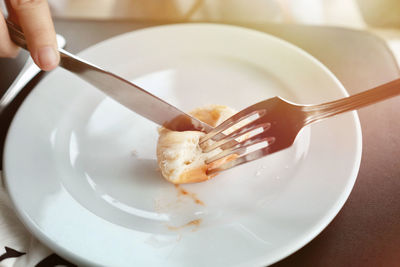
(16,34)
(66,59)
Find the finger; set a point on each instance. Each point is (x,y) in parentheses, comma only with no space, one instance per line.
(35,19)
(7,47)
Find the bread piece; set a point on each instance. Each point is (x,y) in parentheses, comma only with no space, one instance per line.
(179,156)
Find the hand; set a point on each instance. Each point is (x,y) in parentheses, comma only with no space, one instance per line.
(35,20)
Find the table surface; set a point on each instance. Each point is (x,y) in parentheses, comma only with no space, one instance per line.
(366,231)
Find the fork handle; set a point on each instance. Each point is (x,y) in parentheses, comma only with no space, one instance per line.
(319,112)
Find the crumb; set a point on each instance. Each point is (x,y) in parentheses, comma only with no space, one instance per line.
(134,153)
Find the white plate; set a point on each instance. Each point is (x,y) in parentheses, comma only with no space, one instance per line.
(82,172)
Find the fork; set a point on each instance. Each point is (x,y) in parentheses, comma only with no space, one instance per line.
(278,122)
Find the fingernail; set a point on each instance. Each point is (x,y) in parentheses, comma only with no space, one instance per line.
(47,58)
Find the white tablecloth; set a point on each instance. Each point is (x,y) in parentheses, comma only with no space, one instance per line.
(18,247)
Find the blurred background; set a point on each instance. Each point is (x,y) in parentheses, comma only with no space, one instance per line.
(382,17)
(357,14)
(348,13)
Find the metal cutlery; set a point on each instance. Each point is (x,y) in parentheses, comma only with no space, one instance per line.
(278,122)
(28,72)
(126,93)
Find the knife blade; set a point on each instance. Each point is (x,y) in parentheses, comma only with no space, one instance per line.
(123,91)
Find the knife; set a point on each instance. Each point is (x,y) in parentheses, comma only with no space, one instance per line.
(124,92)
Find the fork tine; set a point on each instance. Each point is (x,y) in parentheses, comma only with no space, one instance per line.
(240,148)
(241,160)
(254,155)
(238,117)
(249,127)
(237,150)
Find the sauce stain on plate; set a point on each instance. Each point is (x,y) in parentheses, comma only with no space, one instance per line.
(193,196)
(195,223)
(183,208)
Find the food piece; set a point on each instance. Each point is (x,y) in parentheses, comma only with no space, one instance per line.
(179,155)
(213,115)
